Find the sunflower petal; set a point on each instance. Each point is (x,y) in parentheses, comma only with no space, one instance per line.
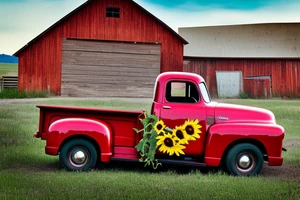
(159,142)
(180,151)
(171,152)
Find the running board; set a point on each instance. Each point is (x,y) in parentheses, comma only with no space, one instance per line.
(182,162)
(165,161)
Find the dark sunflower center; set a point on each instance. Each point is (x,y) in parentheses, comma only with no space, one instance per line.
(168,142)
(189,130)
(179,134)
(159,127)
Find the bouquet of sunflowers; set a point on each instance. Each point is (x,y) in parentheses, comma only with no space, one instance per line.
(156,135)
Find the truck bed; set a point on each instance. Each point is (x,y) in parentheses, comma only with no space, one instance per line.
(121,123)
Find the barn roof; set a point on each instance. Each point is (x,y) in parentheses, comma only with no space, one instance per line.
(83,5)
(267,40)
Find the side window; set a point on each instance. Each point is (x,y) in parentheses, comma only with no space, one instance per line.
(184,92)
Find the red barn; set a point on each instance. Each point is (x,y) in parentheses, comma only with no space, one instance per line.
(102,48)
(261,60)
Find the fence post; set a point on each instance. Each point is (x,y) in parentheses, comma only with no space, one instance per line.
(2,83)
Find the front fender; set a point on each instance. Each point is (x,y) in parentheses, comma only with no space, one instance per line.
(220,136)
(97,130)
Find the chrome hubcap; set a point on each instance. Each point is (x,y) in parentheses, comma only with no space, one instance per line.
(78,157)
(244,161)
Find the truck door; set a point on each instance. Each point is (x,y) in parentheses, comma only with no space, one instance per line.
(182,102)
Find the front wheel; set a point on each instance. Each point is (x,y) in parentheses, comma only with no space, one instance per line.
(244,159)
(78,155)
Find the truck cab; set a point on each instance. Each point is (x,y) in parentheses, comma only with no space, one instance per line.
(240,138)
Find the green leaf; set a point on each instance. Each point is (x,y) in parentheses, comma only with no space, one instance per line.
(152,144)
(149,119)
(147,146)
(140,145)
(168,129)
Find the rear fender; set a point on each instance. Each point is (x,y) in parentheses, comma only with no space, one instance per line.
(221,136)
(62,130)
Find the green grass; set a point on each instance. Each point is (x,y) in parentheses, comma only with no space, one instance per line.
(28,173)
(111,184)
(13,93)
(8,69)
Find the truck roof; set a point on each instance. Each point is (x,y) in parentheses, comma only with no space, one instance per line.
(180,75)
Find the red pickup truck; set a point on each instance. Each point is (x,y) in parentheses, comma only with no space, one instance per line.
(238,138)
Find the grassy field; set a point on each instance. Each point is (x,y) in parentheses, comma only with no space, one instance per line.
(8,69)
(28,173)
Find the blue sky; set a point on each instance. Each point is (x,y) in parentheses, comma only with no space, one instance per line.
(22,20)
(226,4)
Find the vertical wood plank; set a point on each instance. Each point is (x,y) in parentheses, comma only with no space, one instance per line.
(284,72)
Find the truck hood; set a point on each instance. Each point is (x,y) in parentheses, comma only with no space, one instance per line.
(230,113)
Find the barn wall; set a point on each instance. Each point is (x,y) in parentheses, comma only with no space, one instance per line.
(40,62)
(284,72)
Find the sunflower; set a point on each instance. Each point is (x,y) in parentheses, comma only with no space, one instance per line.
(168,144)
(192,129)
(159,126)
(180,135)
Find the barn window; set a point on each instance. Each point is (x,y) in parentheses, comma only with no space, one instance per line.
(113,12)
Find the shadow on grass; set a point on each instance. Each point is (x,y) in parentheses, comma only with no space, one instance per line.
(285,172)
(55,165)
(139,167)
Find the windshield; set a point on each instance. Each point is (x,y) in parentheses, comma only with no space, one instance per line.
(204,92)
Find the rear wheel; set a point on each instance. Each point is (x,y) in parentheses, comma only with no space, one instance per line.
(78,155)
(244,159)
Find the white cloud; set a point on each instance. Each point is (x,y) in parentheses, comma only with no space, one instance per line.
(210,16)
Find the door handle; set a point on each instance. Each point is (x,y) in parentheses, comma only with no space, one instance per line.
(166,107)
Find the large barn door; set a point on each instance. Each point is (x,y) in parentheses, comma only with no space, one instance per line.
(109,69)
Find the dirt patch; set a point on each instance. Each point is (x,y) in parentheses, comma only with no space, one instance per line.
(287,172)
(20,101)
(35,168)
(292,143)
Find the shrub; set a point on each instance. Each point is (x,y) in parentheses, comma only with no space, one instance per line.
(13,93)
(244,95)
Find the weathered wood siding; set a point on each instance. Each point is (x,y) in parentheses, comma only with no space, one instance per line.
(258,87)
(110,69)
(40,63)
(285,73)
